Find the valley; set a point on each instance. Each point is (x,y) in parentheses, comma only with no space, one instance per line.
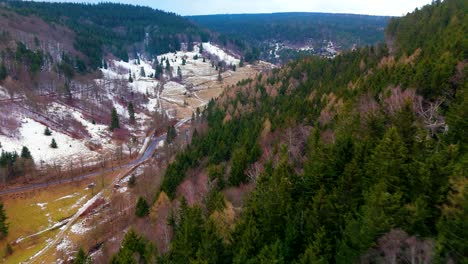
(130,134)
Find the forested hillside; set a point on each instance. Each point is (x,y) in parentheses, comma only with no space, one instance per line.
(361,158)
(259,33)
(115,28)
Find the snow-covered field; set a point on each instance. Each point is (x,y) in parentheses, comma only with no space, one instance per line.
(32,136)
(174,96)
(215,50)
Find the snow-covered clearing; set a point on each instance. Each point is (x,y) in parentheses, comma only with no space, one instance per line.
(32,136)
(220,53)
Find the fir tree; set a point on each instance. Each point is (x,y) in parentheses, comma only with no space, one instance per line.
(81,257)
(53,144)
(131,112)
(171,134)
(241,63)
(47,132)
(142,208)
(179,73)
(3,72)
(201,48)
(220,77)
(130,79)
(25,153)
(114,120)
(168,65)
(3,223)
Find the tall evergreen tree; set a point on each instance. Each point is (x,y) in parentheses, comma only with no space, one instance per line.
(3,71)
(142,208)
(131,112)
(179,73)
(171,134)
(3,224)
(114,120)
(53,144)
(82,258)
(25,153)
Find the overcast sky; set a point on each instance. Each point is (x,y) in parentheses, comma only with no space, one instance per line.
(201,7)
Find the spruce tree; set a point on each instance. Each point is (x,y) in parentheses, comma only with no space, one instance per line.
(131,112)
(130,79)
(81,257)
(171,134)
(220,78)
(179,73)
(53,144)
(168,65)
(114,120)
(25,153)
(142,208)
(3,71)
(241,63)
(47,132)
(3,223)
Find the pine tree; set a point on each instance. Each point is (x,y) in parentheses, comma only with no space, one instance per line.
(130,79)
(47,132)
(81,257)
(105,66)
(142,72)
(3,72)
(168,65)
(25,153)
(171,134)
(3,223)
(114,120)
(53,144)
(220,77)
(131,112)
(190,45)
(201,48)
(184,61)
(241,63)
(179,73)
(142,208)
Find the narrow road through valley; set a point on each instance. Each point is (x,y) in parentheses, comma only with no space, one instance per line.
(146,155)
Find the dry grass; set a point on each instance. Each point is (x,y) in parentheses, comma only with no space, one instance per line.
(31,212)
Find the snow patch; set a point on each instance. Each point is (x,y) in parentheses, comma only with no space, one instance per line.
(42,205)
(32,136)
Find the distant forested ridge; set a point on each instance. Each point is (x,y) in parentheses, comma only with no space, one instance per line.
(358,159)
(119,29)
(299,29)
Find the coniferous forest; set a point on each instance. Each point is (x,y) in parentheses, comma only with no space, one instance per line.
(359,157)
(114,28)
(363,158)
